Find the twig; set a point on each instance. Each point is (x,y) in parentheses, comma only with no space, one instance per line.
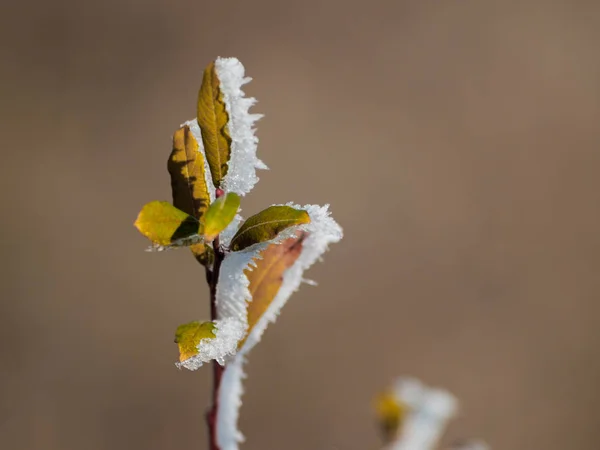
(213,278)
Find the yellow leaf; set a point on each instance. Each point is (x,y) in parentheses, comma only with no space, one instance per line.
(203,253)
(189,335)
(390,413)
(213,119)
(220,214)
(266,225)
(164,224)
(266,278)
(186,166)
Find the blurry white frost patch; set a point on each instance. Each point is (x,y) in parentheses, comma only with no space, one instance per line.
(241,172)
(233,295)
(228,333)
(429,411)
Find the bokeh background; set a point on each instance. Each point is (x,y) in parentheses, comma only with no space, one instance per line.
(458,145)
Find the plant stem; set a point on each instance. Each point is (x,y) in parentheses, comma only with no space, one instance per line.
(213,278)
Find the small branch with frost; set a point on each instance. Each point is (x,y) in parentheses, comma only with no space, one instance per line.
(211,415)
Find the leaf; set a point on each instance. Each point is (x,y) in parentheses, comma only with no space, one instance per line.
(390,413)
(213,119)
(243,163)
(266,278)
(164,224)
(220,214)
(203,253)
(188,182)
(266,225)
(189,335)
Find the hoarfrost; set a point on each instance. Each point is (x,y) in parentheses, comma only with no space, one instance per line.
(228,333)
(233,295)
(241,173)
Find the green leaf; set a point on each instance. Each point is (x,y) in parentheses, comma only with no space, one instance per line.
(267,276)
(220,214)
(188,183)
(213,119)
(266,225)
(164,224)
(189,335)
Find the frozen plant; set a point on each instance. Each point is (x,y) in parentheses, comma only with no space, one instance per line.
(413,416)
(253,266)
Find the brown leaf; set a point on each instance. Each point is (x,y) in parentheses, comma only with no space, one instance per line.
(186,166)
(213,120)
(266,278)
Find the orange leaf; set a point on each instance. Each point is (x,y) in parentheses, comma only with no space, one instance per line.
(266,278)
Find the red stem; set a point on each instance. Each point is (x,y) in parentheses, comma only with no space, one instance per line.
(213,278)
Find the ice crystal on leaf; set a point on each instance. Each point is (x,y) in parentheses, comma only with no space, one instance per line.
(233,297)
(228,333)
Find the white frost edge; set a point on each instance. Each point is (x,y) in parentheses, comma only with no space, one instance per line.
(241,172)
(228,333)
(230,401)
(232,295)
(195,130)
(429,411)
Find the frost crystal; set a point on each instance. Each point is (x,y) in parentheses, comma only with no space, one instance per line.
(230,400)
(228,333)
(233,295)
(241,173)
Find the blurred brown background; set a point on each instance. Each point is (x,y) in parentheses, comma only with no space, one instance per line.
(458,145)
